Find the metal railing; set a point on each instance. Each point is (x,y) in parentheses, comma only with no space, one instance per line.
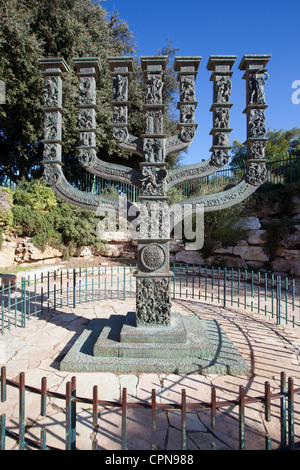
(263,293)
(281,169)
(36,294)
(285,396)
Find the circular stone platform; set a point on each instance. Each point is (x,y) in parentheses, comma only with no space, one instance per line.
(39,349)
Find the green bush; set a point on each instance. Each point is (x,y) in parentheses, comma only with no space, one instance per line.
(221,229)
(276,230)
(35,194)
(38,213)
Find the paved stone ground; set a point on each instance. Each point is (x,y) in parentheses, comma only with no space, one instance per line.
(38,349)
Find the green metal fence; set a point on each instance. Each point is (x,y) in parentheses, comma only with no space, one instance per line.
(282,169)
(267,294)
(35,295)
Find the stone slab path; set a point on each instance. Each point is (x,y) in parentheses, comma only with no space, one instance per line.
(38,349)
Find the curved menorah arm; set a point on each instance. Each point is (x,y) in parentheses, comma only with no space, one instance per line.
(222,200)
(54,177)
(191,172)
(126,141)
(116,172)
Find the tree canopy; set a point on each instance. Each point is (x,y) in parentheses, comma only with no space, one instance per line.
(279,142)
(31,29)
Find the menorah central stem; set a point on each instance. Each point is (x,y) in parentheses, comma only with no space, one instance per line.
(153,304)
(153,277)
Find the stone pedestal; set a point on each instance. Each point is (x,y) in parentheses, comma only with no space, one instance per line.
(187,346)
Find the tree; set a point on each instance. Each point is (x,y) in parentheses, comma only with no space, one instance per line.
(279,142)
(30,29)
(283,141)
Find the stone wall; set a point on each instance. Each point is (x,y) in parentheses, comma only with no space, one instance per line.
(15,252)
(250,253)
(22,251)
(246,254)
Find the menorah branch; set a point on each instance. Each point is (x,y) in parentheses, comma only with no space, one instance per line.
(54,70)
(121,69)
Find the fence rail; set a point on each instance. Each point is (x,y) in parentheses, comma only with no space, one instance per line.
(263,293)
(281,169)
(250,291)
(285,396)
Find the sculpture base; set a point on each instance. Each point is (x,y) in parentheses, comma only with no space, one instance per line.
(188,346)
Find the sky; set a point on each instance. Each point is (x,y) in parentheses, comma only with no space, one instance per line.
(216,27)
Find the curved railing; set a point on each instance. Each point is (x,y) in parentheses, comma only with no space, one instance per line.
(260,292)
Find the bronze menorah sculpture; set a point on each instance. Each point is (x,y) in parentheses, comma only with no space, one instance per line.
(153,277)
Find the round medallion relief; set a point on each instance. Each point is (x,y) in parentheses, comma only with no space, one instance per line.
(153,256)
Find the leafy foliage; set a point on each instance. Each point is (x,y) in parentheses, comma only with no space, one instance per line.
(279,142)
(30,29)
(221,229)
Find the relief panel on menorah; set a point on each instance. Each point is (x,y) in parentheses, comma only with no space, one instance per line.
(257,123)
(221,118)
(120,134)
(221,139)
(154,220)
(153,257)
(220,157)
(52,92)
(257,150)
(87,139)
(222,90)
(120,88)
(187,88)
(153,149)
(154,121)
(87,119)
(187,133)
(52,152)
(154,89)
(87,157)
(256,174)
(52,126)
(187,113)
(52,174)
(87,91)
(153,180)
(256,88)
(153,301)
(120,115)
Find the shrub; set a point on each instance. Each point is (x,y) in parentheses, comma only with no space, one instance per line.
(221,229)
(276,230)
(35,194)
(39,214)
